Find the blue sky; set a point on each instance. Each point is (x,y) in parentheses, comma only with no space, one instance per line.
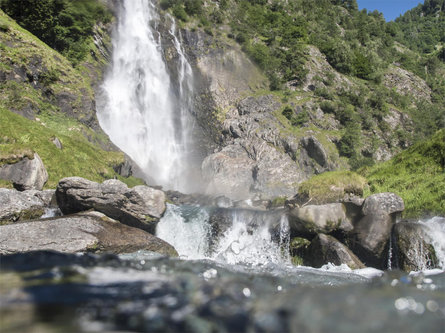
(391,9)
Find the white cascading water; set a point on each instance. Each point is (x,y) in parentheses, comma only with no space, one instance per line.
(187,233)
(435,228)
(188,230)
(139,109)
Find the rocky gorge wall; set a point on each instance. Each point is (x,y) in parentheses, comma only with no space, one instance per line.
(261,144)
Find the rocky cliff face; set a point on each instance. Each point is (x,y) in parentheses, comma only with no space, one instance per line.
(261,144)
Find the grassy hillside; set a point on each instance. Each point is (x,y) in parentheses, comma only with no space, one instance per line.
(78,157)
(42,96)
(417,175)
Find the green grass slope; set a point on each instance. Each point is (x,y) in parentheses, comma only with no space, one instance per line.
(417,175)
(78,157)
(23,58)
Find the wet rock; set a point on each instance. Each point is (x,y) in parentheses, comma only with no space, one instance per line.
(314,219)
(387,203)
(326,249)
(370,238)
(27,174)
(140,206)
(84,232)
(414,248)
(18,206)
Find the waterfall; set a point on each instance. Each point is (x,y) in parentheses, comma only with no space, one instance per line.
(139,108)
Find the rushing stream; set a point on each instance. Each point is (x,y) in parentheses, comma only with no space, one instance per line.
(233,275)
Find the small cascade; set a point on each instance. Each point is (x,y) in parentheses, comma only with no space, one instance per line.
(390,250)
(435,229)
(253,246)
(247,240)
(187,229)
(139,108)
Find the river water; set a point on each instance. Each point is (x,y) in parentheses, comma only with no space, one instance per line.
(239,282)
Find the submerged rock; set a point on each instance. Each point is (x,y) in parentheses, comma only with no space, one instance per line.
(326,249)
(140,206)
(26,205)
(84,232)
(27,174)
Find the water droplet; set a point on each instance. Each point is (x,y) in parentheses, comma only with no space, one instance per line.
(432,305)
(401,303)
(419,309)
(210,274)
(142,262)
(279,288)
(246,292)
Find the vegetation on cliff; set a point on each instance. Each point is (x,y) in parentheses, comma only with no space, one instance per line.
(416,174)
(373,58)
(66,26)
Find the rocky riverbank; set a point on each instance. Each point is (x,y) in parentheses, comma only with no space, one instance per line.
(110,217)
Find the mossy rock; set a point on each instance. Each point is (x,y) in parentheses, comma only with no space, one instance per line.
(331,187)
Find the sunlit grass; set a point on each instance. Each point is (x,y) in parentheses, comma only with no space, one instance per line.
(417,175)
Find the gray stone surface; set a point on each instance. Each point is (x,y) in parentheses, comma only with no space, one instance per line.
(370,238)
(27,174)
(26,205)
(140,206)
(387,202)
(314,219)
(326,249)
(229,173)
(315,150)
(84,232)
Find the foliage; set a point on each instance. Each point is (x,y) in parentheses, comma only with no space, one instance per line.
(423,27)
(64,25)
(417,175)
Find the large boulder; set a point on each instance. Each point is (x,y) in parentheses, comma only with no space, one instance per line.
(414,246)
(26,205)
(84,232)
(326,249)
(370,239)
(371,234)
(313,219)
(26,174)
(140,206)
(387,203)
